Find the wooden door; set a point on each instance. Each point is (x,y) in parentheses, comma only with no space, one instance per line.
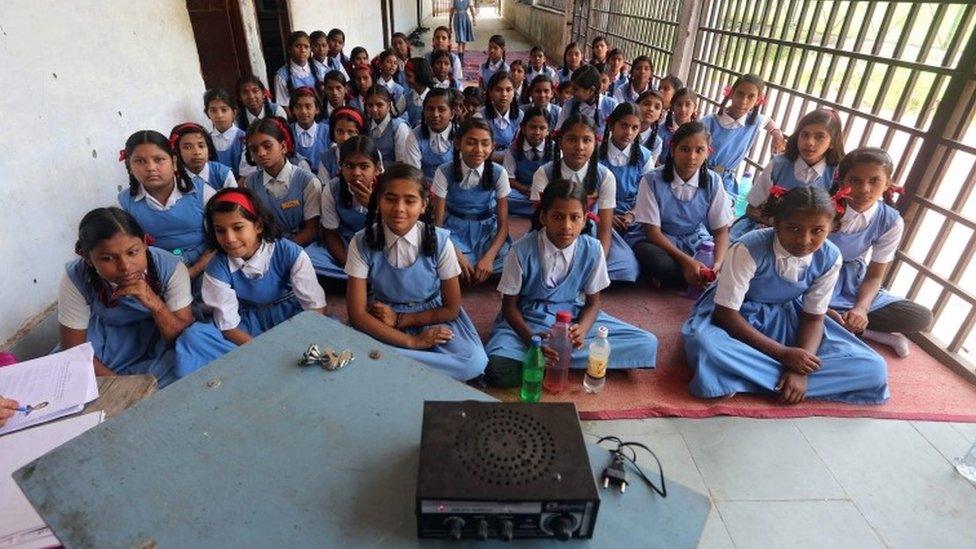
(219,35)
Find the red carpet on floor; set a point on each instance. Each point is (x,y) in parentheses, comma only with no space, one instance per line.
(474,59)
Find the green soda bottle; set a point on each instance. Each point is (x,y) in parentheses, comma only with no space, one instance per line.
(533,368)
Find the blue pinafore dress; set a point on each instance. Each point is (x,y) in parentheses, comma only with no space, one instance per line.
(631,346)
(418,288)
(463,29)
(321,142)
(729,148)
(430,160)
(472,217)
(351,220)
(629,178)
(288,211)
(519,205)
(850,371)
(853,247)
(178,230)
(685,224)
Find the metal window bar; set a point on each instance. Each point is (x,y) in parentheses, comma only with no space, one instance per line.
(902,76)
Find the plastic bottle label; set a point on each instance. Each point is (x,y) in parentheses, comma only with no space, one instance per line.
(597,367)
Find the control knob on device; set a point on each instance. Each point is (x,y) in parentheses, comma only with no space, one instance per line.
(455,527)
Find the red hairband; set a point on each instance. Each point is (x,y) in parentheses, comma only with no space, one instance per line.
(360,67)
(777,192)
(285,134)
(123,155)
(304,91)
(239,198)
(839,197)
(267,94)
(175,135)
(351,113)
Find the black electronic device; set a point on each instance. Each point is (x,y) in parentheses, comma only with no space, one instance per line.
(504,470)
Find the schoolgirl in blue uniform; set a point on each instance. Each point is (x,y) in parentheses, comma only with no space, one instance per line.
(541,91)
(735,127)
(131,301)
(361,81)
(320,54)
(420,80)
(641,72)
(440,65)
(616,70)
(441,42)
(257,279)
(577,160)
(812,154)
(334,89)
(432,142)
(400,45)
(344,123)
(588,100)
(388,131)
(537,65)
(629,161)
(533,147)
(650,104)
(311,136)
(572,60)
(869,234)
(548,271)
(196,156)
(680,205)
(255,104)
(412,269)
(516,71)
(338,60)
(163,199)
(385,74)
(297,72)
(762,328)
(470,198)
(495,61)
(502,113)
(227,138)
(344,202)
(290,193)
(462,21)
(683,109)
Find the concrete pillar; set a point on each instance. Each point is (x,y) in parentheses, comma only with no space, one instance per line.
(683,47)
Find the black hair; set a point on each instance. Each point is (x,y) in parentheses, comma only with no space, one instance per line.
(564,189)
(592,173)
(682,92)
(218,94)
(621,110)
(423,74)
(436,56)
(405,39)
(596,40)
(547,144)
(383,55)
(335,76)
(641,59)
(542,78)
(335,33)
(538,49)
(499,41)
(152,137)
(686,130)
(356,51)
(317,35)
(587,77)
(513,108)
(753,79)
(565,68)
(270,231)
(354,86)
(830,120)
(811,199)
(522,93)
(374,236)
(292,38)
(100,225)
(657,122)
(676,82)
(446,95)
(305,91)
(277,128)
(488,171)
(357,144)
(344,113)
(181,130)
(242,110)
(384,93)
(865,155)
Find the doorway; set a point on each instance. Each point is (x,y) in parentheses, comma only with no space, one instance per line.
(274,25)
(219,34)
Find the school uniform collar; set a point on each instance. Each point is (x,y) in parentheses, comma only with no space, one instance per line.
(412,238)
(528,148)
(730,123)
(550,250)
(228,135)
(643,136)
(851,215)
(306,137)
(677,182)
(495,66)
(446,83)
(283,177)
(631,92)
(788,265)
(203,175)
(377,129)
(299,70)
(578,176)
(174,196)
(386,83)
(802,170)
(616,156)
(473,174)
(335,61)
(258,263)
(418,98)
(501,118)
(441,141)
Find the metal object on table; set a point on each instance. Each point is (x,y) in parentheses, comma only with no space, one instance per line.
(327,357)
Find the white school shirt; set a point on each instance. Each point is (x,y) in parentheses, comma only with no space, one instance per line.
(334,63)
(501,120)
(281,85)
(402,252)
(74,311)
(642,138)
(622,93)
(204,174)
(221,297)
(739,268)
(555,266)
(399,138)
(804,172)
(330,213)
(606,189)
(470,178)
(729,123)
(306,138)
(440,143)
(279,111)
(174,196)
(509,162)
(278,187)
(618,158)
(884,249)
(223,140)
(646,209)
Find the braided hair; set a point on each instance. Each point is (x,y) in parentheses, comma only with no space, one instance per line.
(587,78)
(242,110)
(680,94)
(102,224)
(381,91)
(490,111)
(374,236)
(866,155)
(357,144)
(275,127)
(622,110)
(448,97)
(564,189)
(807,199)
(686,130)
(306,91)
(592,173)
(651,94)
(499,41)
(565,71)
(522,93)
(292,38)
(423,74)
(182,130)
(436,56)
(548,144)
(152,137)
(270,231)
(488,169)
(753,79)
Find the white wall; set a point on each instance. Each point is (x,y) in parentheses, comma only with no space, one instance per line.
(77,82)
(404,15)
(361,20)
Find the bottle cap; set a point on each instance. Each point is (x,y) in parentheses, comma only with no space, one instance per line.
(536,341)
(564,317)
(747,174)
(602,331)
(178,252)
(706,245)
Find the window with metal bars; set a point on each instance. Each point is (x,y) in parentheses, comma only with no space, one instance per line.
(902,75)
(559,5)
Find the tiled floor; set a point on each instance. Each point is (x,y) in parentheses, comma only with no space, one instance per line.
(814,482)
